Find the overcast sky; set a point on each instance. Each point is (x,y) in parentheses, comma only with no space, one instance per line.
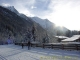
(61,12)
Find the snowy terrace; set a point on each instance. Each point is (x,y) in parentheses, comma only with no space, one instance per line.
(15,52)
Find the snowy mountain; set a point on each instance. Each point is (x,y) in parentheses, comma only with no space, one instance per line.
(45,23)
(11,8)
(15,26)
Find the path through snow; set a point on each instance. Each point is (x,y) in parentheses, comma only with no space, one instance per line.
(15,52)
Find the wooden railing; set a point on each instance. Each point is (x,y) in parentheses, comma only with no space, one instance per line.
(64,46)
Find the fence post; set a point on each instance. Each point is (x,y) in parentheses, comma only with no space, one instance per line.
(36,44)
(52,46)
(76,47)
(62,46)
(31,44)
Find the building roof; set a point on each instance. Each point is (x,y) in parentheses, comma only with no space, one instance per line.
(73,38)
(61,37)
(65,43)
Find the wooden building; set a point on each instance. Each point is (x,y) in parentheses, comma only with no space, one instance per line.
(60,38)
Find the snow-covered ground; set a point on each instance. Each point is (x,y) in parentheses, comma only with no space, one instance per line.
(15,52)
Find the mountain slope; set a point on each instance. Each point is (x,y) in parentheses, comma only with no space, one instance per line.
(15,26)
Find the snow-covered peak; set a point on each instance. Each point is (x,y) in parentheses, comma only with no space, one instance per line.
(11,8)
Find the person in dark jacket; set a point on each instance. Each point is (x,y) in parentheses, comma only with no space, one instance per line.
(22,45)
(29,44)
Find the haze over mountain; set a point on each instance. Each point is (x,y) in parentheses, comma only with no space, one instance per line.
(61,12)
(49,26)
(45,23)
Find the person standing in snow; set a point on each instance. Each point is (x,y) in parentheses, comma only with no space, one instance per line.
(22,45)
(29,44)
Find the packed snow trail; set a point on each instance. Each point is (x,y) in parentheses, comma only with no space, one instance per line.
(15,52)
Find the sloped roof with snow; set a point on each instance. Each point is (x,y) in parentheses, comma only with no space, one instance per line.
(61,36)
(73,38)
